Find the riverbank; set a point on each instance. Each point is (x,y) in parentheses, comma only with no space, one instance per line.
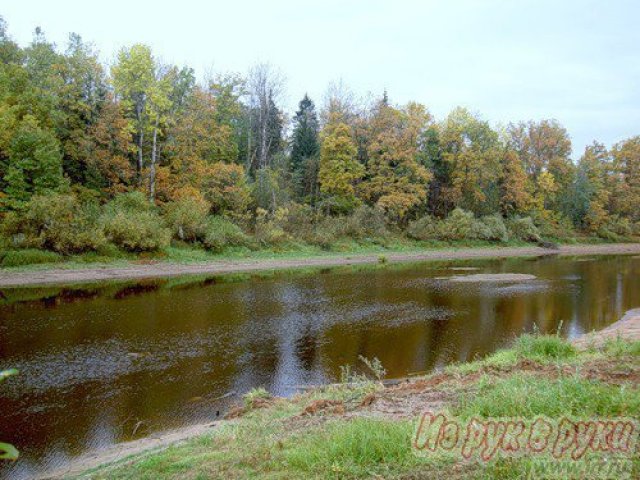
(161,269)
(363,428)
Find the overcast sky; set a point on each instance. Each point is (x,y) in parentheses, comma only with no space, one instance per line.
(577,61)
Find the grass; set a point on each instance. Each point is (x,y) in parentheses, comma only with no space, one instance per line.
(183,253)
(526,395)
(275,442)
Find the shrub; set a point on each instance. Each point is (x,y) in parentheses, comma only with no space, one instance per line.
(366,222)
(524,229)
(187,219)
(493,229)
(55,222)
(425,228)
(459,225)
(298,220)
(133,224)
(220,233)
(18,258)
(616,227)
(269,227)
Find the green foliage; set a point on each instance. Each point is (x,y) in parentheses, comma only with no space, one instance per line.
(134,225)
(55,222)
(524,229)
(269,227)
(187,219)
(221,233)
(493,228)
(8,451)
(34,163)
(366,222)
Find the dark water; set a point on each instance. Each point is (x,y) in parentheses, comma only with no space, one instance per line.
(109,363)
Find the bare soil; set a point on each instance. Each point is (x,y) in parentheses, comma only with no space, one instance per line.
(60,275)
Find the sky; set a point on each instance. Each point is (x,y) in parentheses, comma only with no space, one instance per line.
(577,61)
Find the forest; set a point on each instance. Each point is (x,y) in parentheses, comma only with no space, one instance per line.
(138,156)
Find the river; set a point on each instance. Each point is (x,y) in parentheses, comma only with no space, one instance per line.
(106,363)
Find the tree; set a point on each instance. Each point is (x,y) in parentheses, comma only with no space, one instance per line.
(515,188)
(265,133)
(544,147)
(305,148)
(470,149)
(626,164)
(339,167)
(34,163)
(106,149)
(590,192)
(133,78)
(82,97)
(395,181)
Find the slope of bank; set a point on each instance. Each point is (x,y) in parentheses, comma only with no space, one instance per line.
(364,428)
(59,275)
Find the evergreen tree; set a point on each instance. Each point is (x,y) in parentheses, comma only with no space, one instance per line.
(305,148)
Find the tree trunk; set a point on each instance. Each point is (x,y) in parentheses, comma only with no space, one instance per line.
(140,143)
(152,170)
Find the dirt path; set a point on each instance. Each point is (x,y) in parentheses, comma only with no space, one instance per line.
(166,269)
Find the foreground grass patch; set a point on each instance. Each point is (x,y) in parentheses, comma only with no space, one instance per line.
(360,447)
(526,395)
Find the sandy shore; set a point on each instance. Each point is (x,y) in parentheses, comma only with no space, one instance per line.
(60,275)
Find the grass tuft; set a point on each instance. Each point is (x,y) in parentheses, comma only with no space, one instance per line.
(526,395)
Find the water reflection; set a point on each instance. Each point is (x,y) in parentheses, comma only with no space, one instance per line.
(114,362)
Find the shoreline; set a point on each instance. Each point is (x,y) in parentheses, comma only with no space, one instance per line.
(627,327)
(57,275)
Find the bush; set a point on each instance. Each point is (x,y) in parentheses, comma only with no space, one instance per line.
(221,233)
(524,229)
(326,232)
(18,258)
(425,228)
(459,225)
(493,229)
(366,222)
(269,227)
(187,219)
(616,227)
(133,224)
(55,222)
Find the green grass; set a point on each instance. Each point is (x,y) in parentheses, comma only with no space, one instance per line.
(31,256)
(262,444)
(183,253)
(525,395)
(360,448)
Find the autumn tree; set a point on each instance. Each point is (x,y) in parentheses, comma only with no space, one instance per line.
(470,150)
(626,164)
(133,78)
(339,168)
(515,188)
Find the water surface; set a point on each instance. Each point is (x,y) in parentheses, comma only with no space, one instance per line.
(107,363)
